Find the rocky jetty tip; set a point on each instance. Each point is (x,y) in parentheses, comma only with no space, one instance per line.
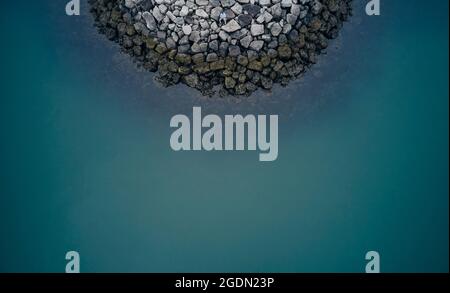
(236,46)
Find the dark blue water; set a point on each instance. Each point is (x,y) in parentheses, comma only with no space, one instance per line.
(86,163)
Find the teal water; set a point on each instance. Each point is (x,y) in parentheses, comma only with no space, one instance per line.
(86,163)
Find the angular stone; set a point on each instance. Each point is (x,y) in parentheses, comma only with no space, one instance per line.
(217,65)
(150,21)
(291,18)
(242,60)
(202,68)
(227,3)
(184,11)
(255,65)
(183,58)
(161,48)
(191,80)
(201,13)
(198,58)
(214,45)
(276,29)
(245,41)
(187,30)
(257,29)
(231,26)
(234,51)
(244,19)
(286,3)
(211,57)
(157,14)
(276,10)
(257,45)
(284,52)
(229,82)
(252,9)
(215,13)
(237,8)
(295,9)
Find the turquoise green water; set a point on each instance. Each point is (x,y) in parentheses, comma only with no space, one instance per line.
(86,163)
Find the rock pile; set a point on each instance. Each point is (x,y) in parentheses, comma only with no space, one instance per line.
(239,44)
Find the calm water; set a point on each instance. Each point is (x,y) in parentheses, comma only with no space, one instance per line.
(86,163)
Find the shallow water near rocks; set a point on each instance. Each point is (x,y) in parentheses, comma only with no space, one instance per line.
(363,155)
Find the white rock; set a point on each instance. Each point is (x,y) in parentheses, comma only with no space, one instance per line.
(157,14)
(187,29)
(237,8)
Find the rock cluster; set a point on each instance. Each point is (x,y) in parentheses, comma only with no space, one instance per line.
(241,45)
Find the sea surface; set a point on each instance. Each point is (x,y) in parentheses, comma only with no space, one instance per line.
(85,161)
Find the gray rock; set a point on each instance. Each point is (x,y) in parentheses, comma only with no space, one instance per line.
(234,51)
(245,41)
(229,14)
(239,34)
(244,19)
(317,7)
(276,29)
(286,3)
(287,28)
(163,8)
(229,82)
(150,21)
(257,45)
(187,30)
(171,44)
(224,36)
(252,9)
(266,82)
(227,3)
(211,57)
(231,26)
(198,48)
(157,14)
(257,29)
(276,10)
(291,18)
(223,48)
(201,13)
